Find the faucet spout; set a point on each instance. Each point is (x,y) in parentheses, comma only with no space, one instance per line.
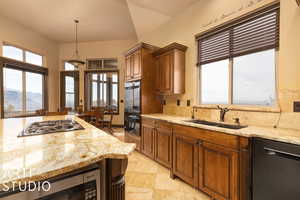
(223,112)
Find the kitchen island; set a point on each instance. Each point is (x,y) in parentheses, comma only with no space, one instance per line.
(56,155)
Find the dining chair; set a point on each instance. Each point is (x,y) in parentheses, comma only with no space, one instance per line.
(41,112)
(56,113)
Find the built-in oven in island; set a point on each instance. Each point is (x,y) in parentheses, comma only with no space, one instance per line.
(82,186)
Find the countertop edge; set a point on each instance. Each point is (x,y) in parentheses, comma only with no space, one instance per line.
(250,131)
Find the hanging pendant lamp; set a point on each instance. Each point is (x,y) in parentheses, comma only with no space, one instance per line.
(76,61)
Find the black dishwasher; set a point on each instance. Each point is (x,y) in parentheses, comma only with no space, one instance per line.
(276,170)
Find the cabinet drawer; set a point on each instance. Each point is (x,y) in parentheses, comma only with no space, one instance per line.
(226,140)
(148,121)
(163,125)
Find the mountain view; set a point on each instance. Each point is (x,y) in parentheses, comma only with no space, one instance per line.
(13,102)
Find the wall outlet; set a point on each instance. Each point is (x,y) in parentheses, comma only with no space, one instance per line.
(297,106)
(188,103)
(178,102)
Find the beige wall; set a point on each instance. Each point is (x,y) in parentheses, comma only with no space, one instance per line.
(16,34)
(100,49)
(207,14)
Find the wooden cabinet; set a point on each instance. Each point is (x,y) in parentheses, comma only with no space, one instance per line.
(216,163)
(163,144)
(218,171)
(128,61)
(133,66)
(170,64)
(185,158)
(148,131)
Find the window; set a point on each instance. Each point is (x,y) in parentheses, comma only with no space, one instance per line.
(254,72)
(23,92)
(103,90)
(102,63)
(69,67)
(69,89)
(238,61)
(33,58)
(23,55)
(214,83)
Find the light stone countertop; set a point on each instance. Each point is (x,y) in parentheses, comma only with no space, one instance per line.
(37,158)
(291,136)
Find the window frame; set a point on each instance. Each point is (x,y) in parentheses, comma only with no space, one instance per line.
(23,67)
(230,88)
(63,74)
(24,50)
(87,93)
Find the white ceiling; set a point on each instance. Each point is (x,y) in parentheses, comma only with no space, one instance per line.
(99,19)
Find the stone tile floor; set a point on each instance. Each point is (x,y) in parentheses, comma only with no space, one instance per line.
(147,180)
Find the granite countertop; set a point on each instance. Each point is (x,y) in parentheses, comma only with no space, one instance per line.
(36,158)
(278,134)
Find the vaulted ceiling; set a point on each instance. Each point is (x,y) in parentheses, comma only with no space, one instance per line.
(99,19)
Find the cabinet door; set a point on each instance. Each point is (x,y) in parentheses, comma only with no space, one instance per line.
(166,72)
(128,68)
(218,171)
(185,158)
(136,65)
(163,147)
(148,140)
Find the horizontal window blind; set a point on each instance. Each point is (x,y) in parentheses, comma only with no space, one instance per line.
(249,34)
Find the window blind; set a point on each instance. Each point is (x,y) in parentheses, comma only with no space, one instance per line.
(252,33)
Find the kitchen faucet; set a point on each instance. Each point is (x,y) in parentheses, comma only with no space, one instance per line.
(223,111)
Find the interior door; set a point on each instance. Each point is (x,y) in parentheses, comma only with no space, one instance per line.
(69,89)
(218,171)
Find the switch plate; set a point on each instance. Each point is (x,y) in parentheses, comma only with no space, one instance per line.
(297,106)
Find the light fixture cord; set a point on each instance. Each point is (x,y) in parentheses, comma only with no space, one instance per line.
(76,22)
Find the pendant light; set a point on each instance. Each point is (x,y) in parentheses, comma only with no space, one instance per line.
(76,61)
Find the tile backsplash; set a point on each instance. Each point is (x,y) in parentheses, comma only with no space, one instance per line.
(269,119)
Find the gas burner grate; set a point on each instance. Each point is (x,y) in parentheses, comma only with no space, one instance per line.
(45,127)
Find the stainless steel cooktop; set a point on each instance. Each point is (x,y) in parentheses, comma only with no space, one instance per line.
(45,127)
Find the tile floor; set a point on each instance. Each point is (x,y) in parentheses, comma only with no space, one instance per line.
(147,180)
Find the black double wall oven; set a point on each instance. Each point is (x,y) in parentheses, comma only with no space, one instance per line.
(132,118)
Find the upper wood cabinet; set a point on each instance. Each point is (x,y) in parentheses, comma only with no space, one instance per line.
(170,69)
(137,60)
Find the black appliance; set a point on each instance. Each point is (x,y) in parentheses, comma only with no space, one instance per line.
(132,118)
(276,170)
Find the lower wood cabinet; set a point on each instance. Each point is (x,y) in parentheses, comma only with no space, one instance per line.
(216,163)
(163,146)
(218,171)
(147,146)
(185,158)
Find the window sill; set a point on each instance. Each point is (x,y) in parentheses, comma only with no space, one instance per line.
(242,108)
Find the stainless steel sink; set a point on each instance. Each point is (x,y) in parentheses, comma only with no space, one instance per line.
(221,125)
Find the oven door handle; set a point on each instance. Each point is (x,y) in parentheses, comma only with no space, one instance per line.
(274,152)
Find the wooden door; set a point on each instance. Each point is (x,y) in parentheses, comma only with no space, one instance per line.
(148,140)
(166,71)
(218,171)
(185,158)
(128,71)
(163,146)
(136,65)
